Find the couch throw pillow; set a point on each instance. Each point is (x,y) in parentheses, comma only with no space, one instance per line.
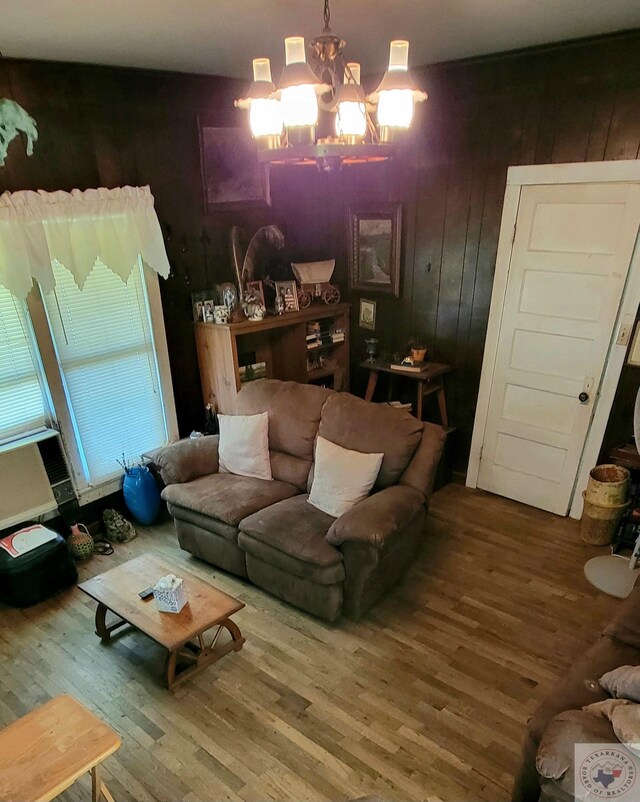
(341,477)
(244,445)
(622,683)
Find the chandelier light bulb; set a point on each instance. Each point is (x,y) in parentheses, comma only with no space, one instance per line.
(395,108)
(396,95)
(298,95)
(265,114)
(265,117)
(351,120)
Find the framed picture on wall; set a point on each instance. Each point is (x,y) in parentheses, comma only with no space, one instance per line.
(232,176)
(367,317)
(375,232)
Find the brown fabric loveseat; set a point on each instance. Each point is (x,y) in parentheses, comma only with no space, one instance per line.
(268,532)
(618,645)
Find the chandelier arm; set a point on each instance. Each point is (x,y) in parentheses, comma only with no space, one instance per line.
(371,126)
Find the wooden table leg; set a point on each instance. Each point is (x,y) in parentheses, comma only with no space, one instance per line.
(390,388)
(98,788)
(102,630)
(442,405)
(371,385)
(419,400)
(201,655)
(96,782)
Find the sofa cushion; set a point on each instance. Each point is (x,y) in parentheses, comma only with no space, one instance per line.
(291,535)
(359,425)
(226,496)
(294,416)
(215,525)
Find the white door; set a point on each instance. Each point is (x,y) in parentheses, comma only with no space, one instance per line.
(569,262)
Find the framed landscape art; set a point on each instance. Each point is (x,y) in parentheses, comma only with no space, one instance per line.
(374,247)
(232,177)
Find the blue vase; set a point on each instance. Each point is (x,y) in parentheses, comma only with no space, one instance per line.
(141,495)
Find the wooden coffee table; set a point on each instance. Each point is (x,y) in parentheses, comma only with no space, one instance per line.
(183,633)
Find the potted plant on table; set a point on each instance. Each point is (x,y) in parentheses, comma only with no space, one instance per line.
(417,348)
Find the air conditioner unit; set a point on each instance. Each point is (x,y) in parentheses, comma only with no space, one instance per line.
(34,480)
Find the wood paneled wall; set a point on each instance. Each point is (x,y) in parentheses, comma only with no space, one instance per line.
(107,127)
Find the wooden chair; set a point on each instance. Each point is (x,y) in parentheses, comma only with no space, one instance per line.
(44,752)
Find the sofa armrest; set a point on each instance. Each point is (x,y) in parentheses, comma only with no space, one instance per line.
(420,473)
(377,517)
(186,460)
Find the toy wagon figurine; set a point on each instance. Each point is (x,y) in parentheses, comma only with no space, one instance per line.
(315,282)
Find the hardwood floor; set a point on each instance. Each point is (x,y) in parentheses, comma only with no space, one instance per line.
(425,699)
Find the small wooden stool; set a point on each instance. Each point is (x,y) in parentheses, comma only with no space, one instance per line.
(44,752)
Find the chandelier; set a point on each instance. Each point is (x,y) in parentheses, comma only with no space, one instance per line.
(319,113)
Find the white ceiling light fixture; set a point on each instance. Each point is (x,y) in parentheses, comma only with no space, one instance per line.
(285,119)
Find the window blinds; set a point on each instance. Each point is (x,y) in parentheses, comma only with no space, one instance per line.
(104,345)
(22,406)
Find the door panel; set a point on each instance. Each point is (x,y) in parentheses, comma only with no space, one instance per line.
(569,261)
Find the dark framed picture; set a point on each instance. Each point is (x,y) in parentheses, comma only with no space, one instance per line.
(231,174)
(288,292)
(375,232)
(256,287)
(367,317)
(202,304)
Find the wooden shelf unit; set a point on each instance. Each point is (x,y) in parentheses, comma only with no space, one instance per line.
(280,342)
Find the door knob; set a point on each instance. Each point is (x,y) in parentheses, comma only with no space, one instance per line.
(583,398)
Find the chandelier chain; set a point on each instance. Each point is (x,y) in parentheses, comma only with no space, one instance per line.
(327,15)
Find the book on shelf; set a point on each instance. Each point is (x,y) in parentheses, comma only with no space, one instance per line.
(417,367)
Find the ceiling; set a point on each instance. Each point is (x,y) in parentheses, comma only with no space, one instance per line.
(222,36)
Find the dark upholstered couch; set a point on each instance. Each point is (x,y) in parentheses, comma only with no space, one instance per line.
(267,531)
(618,645)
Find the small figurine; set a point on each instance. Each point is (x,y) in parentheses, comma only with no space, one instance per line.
(281,303)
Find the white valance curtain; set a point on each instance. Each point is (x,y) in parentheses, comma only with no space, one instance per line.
(77,229)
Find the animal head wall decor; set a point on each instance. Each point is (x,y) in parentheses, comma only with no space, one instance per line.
(13,119)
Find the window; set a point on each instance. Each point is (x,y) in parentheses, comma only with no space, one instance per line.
(23,408)
(104,345)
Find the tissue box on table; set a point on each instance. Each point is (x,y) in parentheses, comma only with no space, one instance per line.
(170,594)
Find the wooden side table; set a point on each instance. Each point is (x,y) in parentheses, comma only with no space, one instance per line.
(429,380)
(46,751)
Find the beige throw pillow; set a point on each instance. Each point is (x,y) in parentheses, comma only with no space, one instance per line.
(341,477)
(244,445)
(622,683)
